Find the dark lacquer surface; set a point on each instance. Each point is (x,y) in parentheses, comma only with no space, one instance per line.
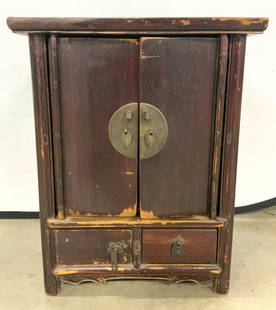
(178,76)
(217,24)
(199,246)
(90,247)
(97,76)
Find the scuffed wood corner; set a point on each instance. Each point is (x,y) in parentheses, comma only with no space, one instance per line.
(83,24)
(132,41)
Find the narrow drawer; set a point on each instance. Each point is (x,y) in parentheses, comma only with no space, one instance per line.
(90,246)
(179,246)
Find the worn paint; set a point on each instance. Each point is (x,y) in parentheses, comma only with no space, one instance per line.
(147,214)
(73,212)
(215,271)
(242,21)
(248,22)
(113,221)
(79,269)
(146,57)
(133,41)
(128,173)
(131,211)
(61,272)
(185,22)
(60,215)
(41,142)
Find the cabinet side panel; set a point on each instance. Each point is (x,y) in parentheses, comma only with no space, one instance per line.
(96,76)
(178,76)
(230,153)
(38,52)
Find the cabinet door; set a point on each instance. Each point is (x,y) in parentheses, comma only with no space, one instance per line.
(96,77)
(178,76)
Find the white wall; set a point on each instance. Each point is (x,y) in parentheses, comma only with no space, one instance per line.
(257,165)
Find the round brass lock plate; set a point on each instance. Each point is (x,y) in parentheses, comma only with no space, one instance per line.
(153,130)
(123,130)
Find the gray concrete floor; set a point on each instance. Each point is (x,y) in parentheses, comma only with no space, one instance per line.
(253,282)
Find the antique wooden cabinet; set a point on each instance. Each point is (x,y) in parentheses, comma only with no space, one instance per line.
(137,124)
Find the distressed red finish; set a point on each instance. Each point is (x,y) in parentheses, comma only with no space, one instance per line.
(105,216)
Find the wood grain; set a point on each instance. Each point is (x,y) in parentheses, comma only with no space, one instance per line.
(38,53)
(177,75)
(56,124)
(84,247)
(229,159)
(134,24)
(88,191)
(199,248)
(218,124)
(86,221)
(97,76)
(124,271)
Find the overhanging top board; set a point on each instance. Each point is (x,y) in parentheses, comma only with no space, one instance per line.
(136,25)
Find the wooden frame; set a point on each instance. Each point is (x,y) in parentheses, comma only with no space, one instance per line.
(38,52)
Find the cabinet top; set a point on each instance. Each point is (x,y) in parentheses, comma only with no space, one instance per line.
(138,25)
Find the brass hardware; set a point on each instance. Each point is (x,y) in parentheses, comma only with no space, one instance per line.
(136,252)
(123,130)
(128,115)
(153,130)
(147,116)
(178,247)
(126,137)
(136,247)
(115,248)
(150,138)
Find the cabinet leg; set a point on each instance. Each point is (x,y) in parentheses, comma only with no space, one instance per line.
(221,285)
(52,286)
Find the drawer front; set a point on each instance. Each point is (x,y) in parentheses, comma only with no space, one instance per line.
(85,247)
(179,246)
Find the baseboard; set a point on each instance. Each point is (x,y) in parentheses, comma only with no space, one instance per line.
(238,210)
(18,215)
(256,206)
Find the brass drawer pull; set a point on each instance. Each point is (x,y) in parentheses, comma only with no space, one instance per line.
(115,248)
(178,247)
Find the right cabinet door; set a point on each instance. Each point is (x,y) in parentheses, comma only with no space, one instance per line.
(178,76)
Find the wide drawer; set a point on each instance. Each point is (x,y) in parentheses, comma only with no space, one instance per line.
(92,246)
(179,246)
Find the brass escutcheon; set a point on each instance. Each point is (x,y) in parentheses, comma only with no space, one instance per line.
(123,130)
(153,130)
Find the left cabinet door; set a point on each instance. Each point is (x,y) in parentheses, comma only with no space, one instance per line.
(95,77)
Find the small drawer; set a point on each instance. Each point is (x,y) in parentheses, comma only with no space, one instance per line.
(179,246)
(91,246)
